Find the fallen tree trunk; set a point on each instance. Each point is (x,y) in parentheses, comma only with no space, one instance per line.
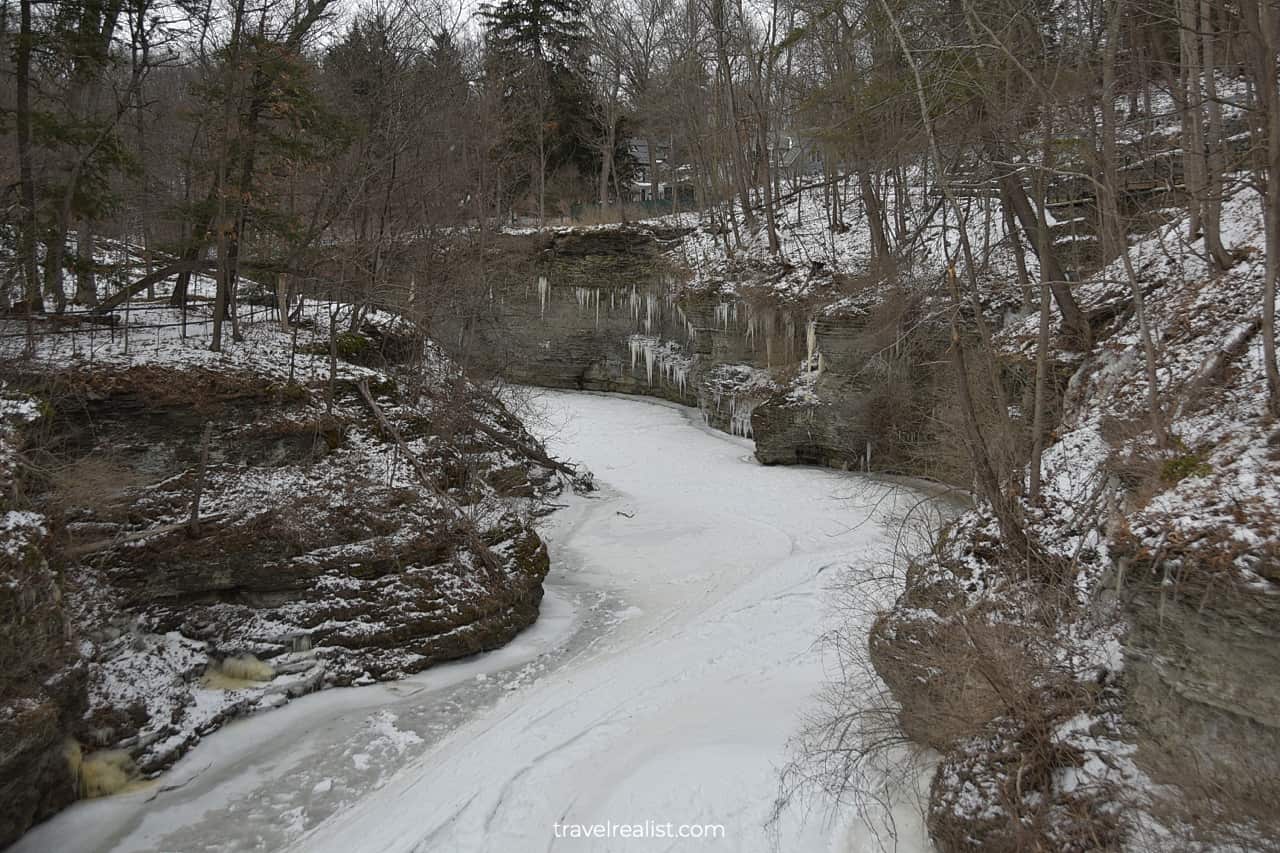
(528,450)
(125,294)
(458,517)
(186,265)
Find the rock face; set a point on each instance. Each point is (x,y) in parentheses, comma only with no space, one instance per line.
(213,540)
(318,552)
(1203,695)
(42,687)
(591,312)
(605,310)
(37,764)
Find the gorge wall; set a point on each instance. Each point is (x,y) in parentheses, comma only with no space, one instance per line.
(193,537)
(608,310)
(864,384)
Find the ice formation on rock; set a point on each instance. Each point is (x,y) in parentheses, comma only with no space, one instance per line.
(811,348)
(667,358)
(724,314)
(740,416)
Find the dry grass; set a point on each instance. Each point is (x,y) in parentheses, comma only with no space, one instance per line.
(247,668)
(98,482)
(106,772)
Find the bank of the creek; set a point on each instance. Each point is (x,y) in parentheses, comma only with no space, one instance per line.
(675,656)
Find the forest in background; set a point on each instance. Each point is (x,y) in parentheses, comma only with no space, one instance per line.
(358,149)
(332,141)
(374,155)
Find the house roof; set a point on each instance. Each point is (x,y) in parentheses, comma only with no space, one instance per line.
(639,149)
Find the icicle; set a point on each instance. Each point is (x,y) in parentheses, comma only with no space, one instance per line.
(740,416)
(665,358)
(811,348)
(724,313)
(543,293)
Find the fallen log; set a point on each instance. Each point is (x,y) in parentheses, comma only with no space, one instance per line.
(458,517)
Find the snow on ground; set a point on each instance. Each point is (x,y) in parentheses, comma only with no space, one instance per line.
(666,693)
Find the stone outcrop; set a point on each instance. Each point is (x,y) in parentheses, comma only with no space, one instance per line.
(1203,698)
(607,310)
(340,538)
(42,686)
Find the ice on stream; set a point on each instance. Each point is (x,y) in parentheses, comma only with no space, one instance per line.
(675,658)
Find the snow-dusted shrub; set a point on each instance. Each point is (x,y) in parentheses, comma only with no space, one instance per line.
(1022,784)
(852,749)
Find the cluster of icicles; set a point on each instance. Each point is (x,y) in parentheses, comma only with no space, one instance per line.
(650,310)
(765,325)
(665,359)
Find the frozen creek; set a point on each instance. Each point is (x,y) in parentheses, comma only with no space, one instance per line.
(675,656)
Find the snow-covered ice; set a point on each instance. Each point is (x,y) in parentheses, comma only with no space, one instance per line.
(676,655)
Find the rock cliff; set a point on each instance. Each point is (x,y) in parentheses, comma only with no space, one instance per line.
(1137,646)
(208,536)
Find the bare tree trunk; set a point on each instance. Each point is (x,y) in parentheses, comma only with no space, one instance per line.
(875,217)
(1019,253)
(737,153)
(282,301)
(606,164)
(1077,324)
(27,190)
(230,118)
(1263,40)
(1114,229)
(1006,510)
(1214,157)
(86,280)
(1042,338)
(1193,166)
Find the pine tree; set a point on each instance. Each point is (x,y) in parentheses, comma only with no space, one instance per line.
(546,31)
(537,59)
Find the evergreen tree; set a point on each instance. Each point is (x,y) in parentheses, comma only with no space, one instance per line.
(536,56)
(547,31)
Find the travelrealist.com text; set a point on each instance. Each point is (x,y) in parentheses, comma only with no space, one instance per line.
(644,829)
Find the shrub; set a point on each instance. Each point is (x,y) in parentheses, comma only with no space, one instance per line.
(1177,469)
(351,345)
